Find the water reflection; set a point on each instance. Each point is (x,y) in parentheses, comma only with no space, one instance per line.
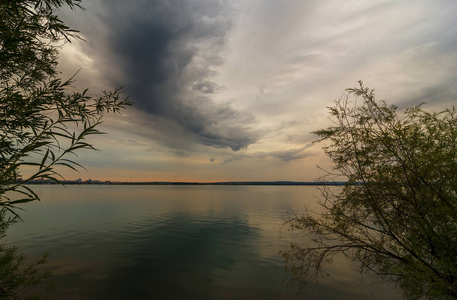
(173,242)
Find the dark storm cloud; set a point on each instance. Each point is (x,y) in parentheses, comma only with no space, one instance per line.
(166,52)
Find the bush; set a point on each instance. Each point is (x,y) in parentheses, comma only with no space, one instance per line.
(397,215)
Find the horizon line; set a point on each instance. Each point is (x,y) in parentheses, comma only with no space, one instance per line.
(247,182)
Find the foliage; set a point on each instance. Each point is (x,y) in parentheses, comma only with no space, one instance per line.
(38,113)
(42,121)
(15,274)
(397,215)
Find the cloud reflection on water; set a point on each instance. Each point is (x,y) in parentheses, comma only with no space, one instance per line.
(193,242)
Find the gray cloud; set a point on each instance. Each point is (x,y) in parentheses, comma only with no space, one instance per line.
(207,87)
(284,155)
(232,158)
(288,155)
(165,54)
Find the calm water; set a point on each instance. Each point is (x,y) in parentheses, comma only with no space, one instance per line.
(175,242)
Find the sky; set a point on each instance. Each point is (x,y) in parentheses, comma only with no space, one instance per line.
(231,90)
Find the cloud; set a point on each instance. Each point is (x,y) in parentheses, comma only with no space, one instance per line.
(166,54)
(207,87)
(216,126)
(259,74)
(287,155)
(233,158)
(283,155)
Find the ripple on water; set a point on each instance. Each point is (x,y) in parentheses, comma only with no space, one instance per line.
(169,242)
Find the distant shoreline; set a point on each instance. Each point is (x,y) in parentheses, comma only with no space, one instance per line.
(285,183)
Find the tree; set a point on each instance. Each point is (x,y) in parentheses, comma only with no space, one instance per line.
(397,215)
(17,275)
(43,121)
(37,109)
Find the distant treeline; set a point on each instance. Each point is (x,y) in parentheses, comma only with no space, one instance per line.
(338,183)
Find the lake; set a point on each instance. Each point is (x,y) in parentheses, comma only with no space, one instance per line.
(175,242)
